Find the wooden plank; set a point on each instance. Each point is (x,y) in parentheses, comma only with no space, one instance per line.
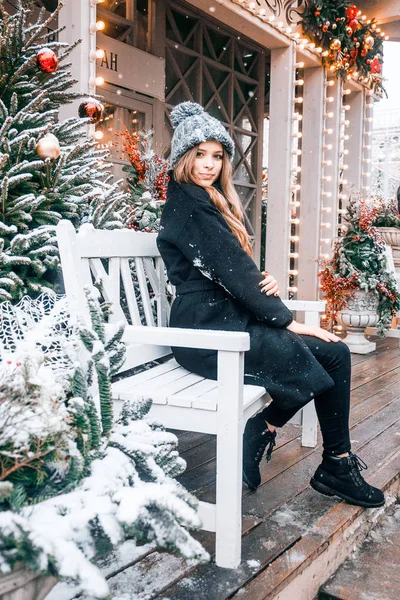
(268,584)
(291,481)
(305,512)
(203,475)
(376,566)
(147,375)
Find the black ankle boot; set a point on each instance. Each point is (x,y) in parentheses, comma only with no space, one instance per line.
(342,477)
(255,439)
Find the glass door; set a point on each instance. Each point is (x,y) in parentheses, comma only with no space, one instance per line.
(121,112)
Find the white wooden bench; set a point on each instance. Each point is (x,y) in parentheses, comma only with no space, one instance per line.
(181,400)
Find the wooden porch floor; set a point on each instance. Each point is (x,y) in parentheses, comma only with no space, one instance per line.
(293,537)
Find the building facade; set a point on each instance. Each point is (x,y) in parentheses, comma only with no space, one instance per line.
(247,64)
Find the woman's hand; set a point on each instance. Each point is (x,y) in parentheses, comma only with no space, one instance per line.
(314,331)
(269,284)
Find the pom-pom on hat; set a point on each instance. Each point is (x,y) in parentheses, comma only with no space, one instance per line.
(192,127)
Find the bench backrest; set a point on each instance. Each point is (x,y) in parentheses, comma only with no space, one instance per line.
(129,271)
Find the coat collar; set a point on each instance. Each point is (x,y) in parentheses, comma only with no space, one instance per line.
(193,190)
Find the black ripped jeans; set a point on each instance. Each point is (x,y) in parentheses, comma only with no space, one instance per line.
(333,406)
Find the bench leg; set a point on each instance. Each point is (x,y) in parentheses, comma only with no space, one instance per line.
(229,460)
(309,426)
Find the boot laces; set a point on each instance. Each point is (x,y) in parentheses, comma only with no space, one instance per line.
(357,465)
(268,441)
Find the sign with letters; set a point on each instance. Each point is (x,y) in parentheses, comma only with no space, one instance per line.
(131,68)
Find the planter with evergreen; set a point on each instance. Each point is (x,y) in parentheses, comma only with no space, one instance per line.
(359,267)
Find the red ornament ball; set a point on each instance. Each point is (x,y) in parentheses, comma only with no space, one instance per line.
(317,13)
(375,66)
(351,12)
(47,60)
(324,28)
(92,109)
(364,52)
(353,24)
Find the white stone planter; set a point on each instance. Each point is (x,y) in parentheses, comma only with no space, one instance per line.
(361,312)
(22,584)
(391,235)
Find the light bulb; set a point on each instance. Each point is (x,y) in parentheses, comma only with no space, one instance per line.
(326,194)
(98,135)
(328,131)
(326,163)
(328,115)
(98,26)
(326,209)
(294,238)
(330,83)
(300,65)
(325,240)
(297,135)
(327,147)
(326,178)
(293,272)
(296,153)
(325,225)
(293,255)
(346,107)
(299,100)
(343,181)
(345,151)
(292,289)
(345,167)
(295,188)
(346,92)
(299,82)
(329,99)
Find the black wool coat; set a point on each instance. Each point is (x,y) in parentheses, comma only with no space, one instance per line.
(217,288)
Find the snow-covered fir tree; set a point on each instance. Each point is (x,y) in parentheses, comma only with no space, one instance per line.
(73,480)
(49,169)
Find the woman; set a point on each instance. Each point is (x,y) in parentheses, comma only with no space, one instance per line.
(208,256)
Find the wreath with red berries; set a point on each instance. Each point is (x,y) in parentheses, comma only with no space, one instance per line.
(351,44)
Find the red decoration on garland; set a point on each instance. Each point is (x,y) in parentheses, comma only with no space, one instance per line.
(47,60)
(375,66)
(92,109)
(317,13)
(354,25)
(351,12)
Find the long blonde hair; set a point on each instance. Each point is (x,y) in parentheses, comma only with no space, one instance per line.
(228,202)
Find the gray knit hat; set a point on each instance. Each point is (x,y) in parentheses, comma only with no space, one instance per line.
(192,127)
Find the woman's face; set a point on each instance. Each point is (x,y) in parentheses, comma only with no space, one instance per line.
(208,163)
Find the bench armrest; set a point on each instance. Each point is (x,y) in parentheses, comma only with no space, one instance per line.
(305,305)
(206,339)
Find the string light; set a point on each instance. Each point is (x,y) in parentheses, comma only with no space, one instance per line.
(326,209)
(98,26)
(293,255)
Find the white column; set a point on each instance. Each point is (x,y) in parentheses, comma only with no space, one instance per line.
(330,174)
(355,141)
(310,197)
(367,143)
(77,17)
(279,164)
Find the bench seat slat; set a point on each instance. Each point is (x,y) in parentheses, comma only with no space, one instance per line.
(127,382)
(162,382)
